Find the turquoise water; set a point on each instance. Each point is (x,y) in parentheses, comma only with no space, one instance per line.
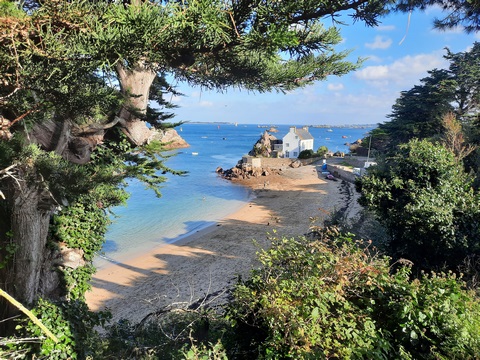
(201,198)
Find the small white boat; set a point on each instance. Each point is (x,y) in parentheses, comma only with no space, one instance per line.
(194,153)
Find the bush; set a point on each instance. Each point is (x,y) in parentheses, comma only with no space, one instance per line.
(305,154)
(322,150)
(334,298)
(426,201)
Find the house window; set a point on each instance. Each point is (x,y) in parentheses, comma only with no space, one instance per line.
(287,144)
(287,154)
(296,137)
(295,154)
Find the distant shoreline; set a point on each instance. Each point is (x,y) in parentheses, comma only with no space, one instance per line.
(321,126)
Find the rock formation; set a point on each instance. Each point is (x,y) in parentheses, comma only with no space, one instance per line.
(245,171)
(264,146)
(171,139)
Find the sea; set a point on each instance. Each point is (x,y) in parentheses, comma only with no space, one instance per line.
(199,198)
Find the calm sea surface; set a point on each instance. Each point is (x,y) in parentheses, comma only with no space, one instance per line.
(201,198)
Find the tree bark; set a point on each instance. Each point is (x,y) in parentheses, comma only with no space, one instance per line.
(135,86)
(30,219)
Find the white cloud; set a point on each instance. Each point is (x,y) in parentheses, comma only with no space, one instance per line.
(335,87)
(385,28)
(374,58)
(205,103)
(405,71)
(380,42)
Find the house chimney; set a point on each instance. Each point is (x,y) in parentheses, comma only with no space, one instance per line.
(305,128)
(293,129)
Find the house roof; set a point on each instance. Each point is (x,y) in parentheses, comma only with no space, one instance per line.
(303,134)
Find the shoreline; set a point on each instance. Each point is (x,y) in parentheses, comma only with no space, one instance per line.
(211,259)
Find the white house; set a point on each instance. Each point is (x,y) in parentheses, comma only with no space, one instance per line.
(296,141)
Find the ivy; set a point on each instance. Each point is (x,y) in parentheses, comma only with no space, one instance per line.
(73,325)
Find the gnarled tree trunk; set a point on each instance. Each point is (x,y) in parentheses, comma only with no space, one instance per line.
(135,85)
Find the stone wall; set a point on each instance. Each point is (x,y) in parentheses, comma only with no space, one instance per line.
(274,163)
(342,172)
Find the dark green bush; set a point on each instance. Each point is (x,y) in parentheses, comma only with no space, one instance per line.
(333,298)
(305,154)
(426,201)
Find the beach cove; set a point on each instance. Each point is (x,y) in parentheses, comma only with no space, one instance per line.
(210,260)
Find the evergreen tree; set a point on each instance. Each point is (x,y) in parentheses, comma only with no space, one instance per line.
(418,112)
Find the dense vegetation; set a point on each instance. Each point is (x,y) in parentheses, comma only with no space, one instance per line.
(76,79)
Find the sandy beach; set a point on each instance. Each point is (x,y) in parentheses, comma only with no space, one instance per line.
(210,260)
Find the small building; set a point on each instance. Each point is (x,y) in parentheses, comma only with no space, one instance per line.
(296,141)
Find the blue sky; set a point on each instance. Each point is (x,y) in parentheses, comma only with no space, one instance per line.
(400,51)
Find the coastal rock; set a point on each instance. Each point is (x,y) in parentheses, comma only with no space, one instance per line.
(264,146)
(170,139)
(245,171)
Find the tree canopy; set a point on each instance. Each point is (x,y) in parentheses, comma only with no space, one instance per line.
(419,112)
(426,201)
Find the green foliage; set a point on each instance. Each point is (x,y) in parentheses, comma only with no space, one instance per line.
(425,200)
(71,322)
(459,14)
(418,112)
(305,154)
(169,334)
(431,318)
(332,297)
(8,253)
(304,300)
(203,352)
(322,150)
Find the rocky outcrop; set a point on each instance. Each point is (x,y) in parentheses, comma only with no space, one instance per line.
(356,147)
(264,145)
(296,164)
(170,139)
(245,171)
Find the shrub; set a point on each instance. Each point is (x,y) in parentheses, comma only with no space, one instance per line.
(322,150)
(426,201)
(333,297)
(305,154)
